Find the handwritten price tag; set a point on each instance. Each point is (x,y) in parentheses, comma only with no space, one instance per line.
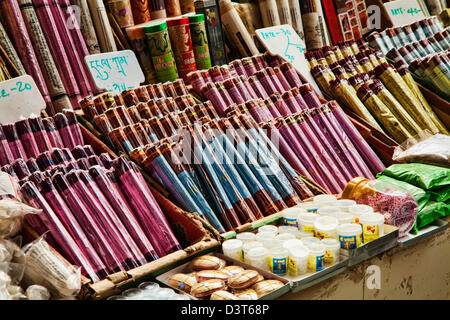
(284,41)
(19,97)
(404,12)
(115,71)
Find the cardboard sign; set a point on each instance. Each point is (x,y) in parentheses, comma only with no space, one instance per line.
(115,71)
(19,98)
(285,42)
(404,12)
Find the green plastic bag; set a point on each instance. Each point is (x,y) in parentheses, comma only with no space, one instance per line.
(418,194)
(423,176)
(440,194)
(431,212)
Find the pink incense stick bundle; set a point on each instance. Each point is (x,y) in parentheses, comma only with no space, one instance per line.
(145,207)
(27,138)
(13,17)
(6,155)
(58,48)
(78,66)
(14,143)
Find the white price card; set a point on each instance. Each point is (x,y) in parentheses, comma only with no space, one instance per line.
(115,71)
(403,12)
(19,98)
(284,41)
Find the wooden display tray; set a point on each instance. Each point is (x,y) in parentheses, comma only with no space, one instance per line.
(186,268)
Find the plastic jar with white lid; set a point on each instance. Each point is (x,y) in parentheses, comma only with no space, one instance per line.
(316,257)
(324,200)
(269,228)
(350,235)
(308,207)
(293,243)
(281,238)
(287,229)
(298,261)
(278,260)
(325,227)
(248,246)
(329,211)
(332,251)
(233,248)
(306,221)
(303,235)
(267,239)
(344,217)
(358,209)
(372,226)
(290,216)
(308,241)
(246,236)
(257,257)
(345,204)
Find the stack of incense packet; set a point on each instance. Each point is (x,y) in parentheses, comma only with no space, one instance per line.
(99,211)
(52,48)
(27,138)
(362,79)
(289,104)
(229,178)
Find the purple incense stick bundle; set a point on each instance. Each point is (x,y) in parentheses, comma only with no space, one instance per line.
(226,96)
(249,88)
(276,82)
(14,143)
(266,81)
(110,214)
(32,165)
(58,49)
(78,152)
(52,133)
(45,161)
(65,215)
(369,156)
(74,127)
(286,150)
(282,79)
(110,188)
(94,268)
(57,92)
(291,102)
(343,148)
(59,157)
(89,224)
(20,168)
(27,138)
(302,124)
(145,208)
(312,118)
(258,110)
(40,134)
(103,221)
(16,25)
(6,156)
(309,96)
(79,42)
(237,64)
(65,131)
(242,89)
(232,89)
(77,63)
(291,74)
(257,87)
(272,108)
(298,97)
(280,105)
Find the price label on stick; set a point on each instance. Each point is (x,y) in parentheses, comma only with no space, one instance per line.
(404,12)
(19,98)
(284,41)
(115,71)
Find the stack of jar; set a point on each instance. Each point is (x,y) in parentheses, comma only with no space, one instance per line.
(310,237)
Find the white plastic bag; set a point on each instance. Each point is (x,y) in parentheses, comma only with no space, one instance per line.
(12,210)
(46,268)
(425,148)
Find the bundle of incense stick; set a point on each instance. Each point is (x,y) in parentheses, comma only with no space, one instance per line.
(241,183)
(99,211)
(28,138)
(50,47)
(278,96)
(384,95)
